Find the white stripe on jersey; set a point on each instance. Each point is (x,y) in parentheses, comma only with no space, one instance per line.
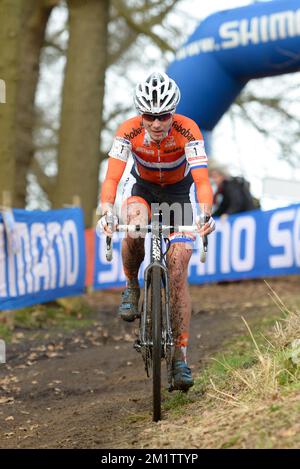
(160,165)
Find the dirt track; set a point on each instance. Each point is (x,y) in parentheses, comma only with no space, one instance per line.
(89,390)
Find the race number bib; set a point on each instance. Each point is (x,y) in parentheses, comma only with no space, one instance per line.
(121,149)
(195,154)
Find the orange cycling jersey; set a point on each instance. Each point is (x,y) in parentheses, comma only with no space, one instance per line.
(167,162)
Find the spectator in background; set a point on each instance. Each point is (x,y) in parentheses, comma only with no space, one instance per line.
(232,194)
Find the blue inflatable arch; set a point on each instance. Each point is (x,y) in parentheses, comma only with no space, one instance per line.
(230,48)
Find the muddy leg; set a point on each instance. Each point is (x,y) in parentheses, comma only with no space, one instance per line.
(133,250)
(178,260)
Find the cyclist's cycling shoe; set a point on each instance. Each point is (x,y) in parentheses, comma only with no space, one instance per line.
(182,376)
(128,309)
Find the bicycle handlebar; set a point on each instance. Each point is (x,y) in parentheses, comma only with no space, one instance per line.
(149,229)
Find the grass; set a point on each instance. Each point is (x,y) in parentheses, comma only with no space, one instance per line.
(66,314)
(175,402)
(136,418)
(232,441)
(247,397)
(216,377)
(218,373)
(5,332)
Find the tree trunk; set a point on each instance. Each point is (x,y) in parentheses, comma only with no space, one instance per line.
(83,93)
(10,40)
(34,21)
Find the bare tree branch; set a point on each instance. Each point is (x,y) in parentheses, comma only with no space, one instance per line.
(158,19)
(118,111)
(46,183)
(143,27)
(54,45)
(123,46)
(46,147)
(274,103)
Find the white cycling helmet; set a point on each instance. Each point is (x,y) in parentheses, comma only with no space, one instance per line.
(157,94)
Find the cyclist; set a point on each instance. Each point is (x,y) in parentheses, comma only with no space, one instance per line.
(170,163)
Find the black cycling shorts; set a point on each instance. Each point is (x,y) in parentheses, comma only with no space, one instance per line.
(176,201)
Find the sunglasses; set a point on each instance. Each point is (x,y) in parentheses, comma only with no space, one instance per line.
(160,117)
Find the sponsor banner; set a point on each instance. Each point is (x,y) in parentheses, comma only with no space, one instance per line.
(108,274)
(244,27)
(47,260)
(111,274)
(231,47)
(251,245)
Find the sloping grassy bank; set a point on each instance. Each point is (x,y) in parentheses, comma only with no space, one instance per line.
(248,397)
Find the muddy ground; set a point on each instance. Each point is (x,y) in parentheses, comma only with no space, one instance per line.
(88,388)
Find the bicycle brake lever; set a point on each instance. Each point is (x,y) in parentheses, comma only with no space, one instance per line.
(110,224)
(204,218)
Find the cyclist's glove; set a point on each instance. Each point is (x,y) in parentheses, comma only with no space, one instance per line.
(107,224)
(206,221)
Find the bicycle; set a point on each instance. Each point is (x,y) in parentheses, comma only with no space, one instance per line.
(155,340)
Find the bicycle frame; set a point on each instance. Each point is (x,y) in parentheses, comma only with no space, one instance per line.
(157,261)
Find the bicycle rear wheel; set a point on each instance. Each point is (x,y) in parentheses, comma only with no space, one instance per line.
(156,306)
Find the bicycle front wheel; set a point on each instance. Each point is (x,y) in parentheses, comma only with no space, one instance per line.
(156,306)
